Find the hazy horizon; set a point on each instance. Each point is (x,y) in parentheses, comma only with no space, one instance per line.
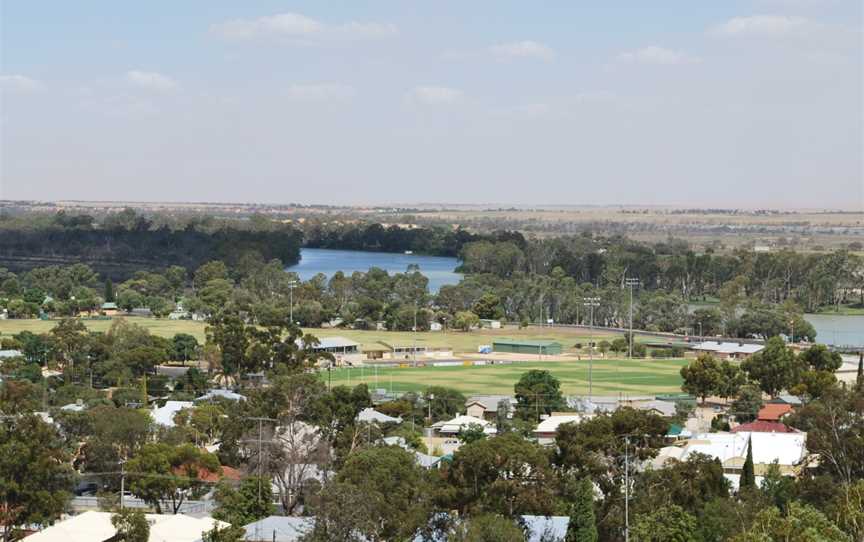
(741,104)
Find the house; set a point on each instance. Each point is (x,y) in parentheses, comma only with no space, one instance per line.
(460,423)
(206,475)
(787,449)
(97,527)
(370,415)
(788,399)
(9,354)
(279,529)
(547,429)
(109,309)
(548,348)
(728,350)
(423,460)
(143,312)
(661,408)
(491,324)
(774,412)
(486,406)
(164,415)
(220,394)
(763,426)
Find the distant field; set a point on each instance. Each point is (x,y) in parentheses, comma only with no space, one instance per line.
(611,377)
(160,327)
(456,340)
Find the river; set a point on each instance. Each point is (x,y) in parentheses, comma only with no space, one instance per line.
(439,270)
(837,329)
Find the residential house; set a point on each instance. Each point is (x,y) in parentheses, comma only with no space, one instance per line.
(97,527)
(370,415)
(763,426)
(165,414)
(9,354)
(547,429)
(220,394)
(460,423)
(774,412)
(728,350)
(486,406)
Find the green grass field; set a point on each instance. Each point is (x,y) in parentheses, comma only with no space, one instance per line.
(611,377)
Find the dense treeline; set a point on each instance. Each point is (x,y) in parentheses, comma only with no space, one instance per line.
(125,242)
(433,241)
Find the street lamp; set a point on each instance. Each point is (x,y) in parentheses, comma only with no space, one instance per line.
(631,283)
(792,326)
(591,302)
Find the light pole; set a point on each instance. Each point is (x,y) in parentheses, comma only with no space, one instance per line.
(414,337)
(631,283)
(590,302)
(291,285)
(792,325)
(626,491)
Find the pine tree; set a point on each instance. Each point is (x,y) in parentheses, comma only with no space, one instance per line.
(748,475)
(109,291)
(583,526)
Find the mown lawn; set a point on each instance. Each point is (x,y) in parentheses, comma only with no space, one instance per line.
(611,377)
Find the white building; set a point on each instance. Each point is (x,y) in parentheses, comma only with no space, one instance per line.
(732,350)
(97,527)
(460,423)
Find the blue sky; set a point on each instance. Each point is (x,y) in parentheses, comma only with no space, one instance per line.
(740,104)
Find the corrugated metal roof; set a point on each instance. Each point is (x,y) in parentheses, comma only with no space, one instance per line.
(517,342)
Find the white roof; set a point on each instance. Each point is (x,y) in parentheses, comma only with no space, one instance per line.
(165,415)
(459,423)
(787,449)
(546,527)
(279,528)
(221,393)
(331,342)
(96,527)
(10,354)
(73,407)
(550,424)
(728,347)
(372,415)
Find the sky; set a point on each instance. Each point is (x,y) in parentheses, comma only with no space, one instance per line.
(750,103)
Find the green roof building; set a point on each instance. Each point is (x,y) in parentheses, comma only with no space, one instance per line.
(514,346)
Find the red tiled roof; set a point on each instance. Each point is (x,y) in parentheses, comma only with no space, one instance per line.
(774,411)
(762,426)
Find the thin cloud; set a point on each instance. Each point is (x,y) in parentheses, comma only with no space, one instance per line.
(523,49)
(322,92)
(19,83)
(765,26)
(657,55)
(151,81)
(299,27)
(435,95)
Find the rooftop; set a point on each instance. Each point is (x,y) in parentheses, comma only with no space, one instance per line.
(728,347)
(96,527)
(278,529)
(764,426)
(332,342)
(774,411)
(539,342)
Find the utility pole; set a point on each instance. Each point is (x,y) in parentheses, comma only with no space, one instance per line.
(591,302)
(122,482)
(291,285)
(260,421)
(626,491)
(631,283)
(414,336)
(792,325)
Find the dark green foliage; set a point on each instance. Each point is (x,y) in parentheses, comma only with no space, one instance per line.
(668,523)
(131,525)
(583,525)
(245,504)
(748,475)
(35,476)
(538,392)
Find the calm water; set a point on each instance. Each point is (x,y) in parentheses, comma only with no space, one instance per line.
(438,270)
(837,329)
